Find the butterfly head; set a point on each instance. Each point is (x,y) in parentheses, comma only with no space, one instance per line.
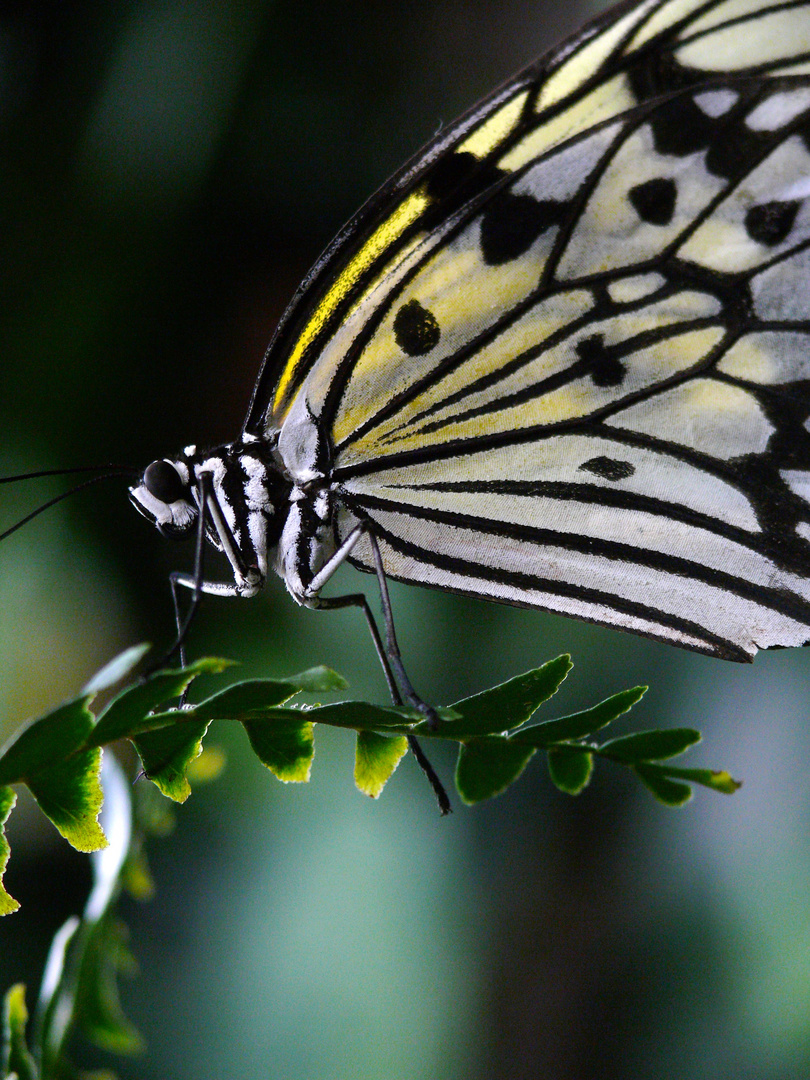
(164,496)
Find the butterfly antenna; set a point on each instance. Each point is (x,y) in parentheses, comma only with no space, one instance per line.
(116,472)
(109,470)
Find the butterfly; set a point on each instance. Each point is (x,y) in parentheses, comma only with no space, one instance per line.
(560,360)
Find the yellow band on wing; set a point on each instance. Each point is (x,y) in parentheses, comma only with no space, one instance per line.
(380,240)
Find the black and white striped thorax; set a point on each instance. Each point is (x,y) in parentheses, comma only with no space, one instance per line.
(259,515)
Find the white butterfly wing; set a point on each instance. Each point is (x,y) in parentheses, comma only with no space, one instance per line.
(584,388)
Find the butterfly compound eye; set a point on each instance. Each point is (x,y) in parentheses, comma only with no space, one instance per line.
(163,481)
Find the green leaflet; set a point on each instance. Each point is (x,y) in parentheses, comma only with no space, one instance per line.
(570,768)
(669,792)
(47,740)
(582,724)
(69,794)
(7,801)
(247,699)
(714,779)
(285,746)
(129,711)
(487,766)
(505,707)
(97,1003)
(17,1061)
(48,755)
(376,757)
(167,753)
(651,745)
(362,716)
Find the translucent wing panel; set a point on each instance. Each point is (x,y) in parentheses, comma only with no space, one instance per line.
(593,287)
(766,37)
(617,532)
(602,365)
(622,60)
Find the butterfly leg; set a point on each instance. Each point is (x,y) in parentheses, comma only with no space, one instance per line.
(333,603)
(396,661)
(392,645)
(246,580)
(389,654)
(183,622)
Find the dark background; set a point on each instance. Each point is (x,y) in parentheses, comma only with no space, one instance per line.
(168,172)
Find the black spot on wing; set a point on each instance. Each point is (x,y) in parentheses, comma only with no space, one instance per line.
(654,200)
(770,223)
(449,173)
(455,180)
(608,468)
(511,223)
(416,329)
(603,366)
(680,127)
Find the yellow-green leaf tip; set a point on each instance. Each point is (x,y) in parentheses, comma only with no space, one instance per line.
(7,800)
(376,758)
(724,782)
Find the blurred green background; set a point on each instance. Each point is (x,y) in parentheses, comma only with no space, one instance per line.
(168,172)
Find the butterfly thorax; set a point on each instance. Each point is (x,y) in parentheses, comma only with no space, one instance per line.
(248,496)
